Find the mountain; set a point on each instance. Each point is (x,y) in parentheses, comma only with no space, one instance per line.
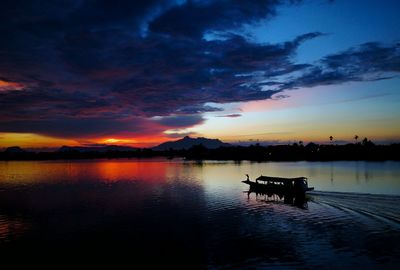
(14,150)
(187,142)
(100,149)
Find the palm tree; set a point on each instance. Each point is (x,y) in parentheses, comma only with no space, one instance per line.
(365,141)
(356,138)
(330,138)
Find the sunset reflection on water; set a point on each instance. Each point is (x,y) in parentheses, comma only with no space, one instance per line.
(197,215)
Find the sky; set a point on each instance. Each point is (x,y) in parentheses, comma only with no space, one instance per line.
(139,73)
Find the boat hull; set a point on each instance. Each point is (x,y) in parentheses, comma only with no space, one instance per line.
(276,189)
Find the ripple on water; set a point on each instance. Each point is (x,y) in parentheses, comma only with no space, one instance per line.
(191,218)
(355,229)
(11,228)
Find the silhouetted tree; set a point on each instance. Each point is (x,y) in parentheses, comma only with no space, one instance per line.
(330,138)
(366,142)
(365,150)
(356,138)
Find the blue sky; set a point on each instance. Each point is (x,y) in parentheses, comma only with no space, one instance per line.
(345,109)
(143,72)
(346,23)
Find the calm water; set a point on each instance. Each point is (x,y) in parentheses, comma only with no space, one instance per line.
(197,215)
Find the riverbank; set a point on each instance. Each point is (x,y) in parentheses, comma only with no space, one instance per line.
(293,152)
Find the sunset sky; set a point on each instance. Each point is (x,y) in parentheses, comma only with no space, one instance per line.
(138,73)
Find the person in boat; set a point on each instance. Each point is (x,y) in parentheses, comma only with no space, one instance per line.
(248,179)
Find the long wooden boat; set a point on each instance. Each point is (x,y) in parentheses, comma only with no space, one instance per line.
(279,185)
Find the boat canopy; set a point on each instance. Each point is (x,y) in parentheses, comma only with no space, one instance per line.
(280,179)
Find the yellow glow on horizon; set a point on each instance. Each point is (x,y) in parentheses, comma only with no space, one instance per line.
(32,140)
(308,124)
(140,141)
(119,141)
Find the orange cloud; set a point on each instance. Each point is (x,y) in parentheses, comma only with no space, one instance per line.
(10,86)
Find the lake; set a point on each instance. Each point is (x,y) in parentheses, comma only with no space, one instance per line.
(175,213)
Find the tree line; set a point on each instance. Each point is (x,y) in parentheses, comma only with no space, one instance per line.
(364,150)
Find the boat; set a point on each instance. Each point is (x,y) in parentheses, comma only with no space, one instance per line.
(279,185)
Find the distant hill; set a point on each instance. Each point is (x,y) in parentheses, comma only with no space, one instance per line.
(99,149)
(14,150)
(187,142)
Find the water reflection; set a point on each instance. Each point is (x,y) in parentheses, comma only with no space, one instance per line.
(11,227)
(131,219)
(195,215)
(299,200)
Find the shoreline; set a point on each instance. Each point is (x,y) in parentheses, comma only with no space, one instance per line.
(294,152)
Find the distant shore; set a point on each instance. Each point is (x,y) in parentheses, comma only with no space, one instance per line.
(292,152)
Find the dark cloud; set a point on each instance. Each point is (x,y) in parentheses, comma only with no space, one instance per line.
(176,135)
(195,109)
(370,57)
(194,18)
(84,128)
(368,62)
(180,121)
(233,115)
(81,68)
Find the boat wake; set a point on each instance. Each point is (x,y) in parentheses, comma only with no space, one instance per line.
(367,208)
